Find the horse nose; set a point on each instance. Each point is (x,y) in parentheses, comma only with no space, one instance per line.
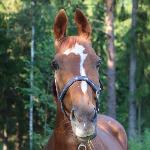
(83,122)
(81,115)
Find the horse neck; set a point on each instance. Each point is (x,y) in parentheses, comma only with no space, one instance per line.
(63,134)
(62,122)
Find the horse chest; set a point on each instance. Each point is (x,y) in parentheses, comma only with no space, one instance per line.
(66,142)
(61,142)
(69,143)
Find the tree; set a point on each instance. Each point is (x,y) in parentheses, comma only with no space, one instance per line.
(111,72)
(15,64)
(31,81)
(132,73)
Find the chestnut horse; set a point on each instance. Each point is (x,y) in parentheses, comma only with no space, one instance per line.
(76,91)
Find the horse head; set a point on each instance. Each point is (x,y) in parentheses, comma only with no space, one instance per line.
(76,75)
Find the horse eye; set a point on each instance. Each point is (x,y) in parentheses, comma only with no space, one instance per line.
(55,65)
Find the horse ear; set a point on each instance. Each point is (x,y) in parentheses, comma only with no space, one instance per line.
(83,26)
(60,24)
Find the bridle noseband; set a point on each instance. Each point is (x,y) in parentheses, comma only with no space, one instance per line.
(96,88)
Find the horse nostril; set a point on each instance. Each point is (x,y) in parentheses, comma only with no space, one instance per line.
(94,116)
(73,115)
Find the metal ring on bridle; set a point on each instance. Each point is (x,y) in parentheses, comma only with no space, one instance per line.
(81,146)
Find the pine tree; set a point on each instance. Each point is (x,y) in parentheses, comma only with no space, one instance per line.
(111,73)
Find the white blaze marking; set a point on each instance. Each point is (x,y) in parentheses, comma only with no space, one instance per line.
(78,50)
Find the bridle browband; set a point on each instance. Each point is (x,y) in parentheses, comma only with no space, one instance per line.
(96,88)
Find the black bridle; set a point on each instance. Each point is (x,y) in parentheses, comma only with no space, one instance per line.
(97,88)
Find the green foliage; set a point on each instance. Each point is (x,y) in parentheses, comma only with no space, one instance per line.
(39,141)
(140,143)
(123,15)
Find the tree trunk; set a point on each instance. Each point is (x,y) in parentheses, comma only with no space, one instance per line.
(111,73)
(132,71)
(139,119)
(5,138)
(31,83)
(17,144)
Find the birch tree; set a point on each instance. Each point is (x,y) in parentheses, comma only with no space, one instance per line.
(31,82)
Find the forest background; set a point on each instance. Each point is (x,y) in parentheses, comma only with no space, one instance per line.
(26,29)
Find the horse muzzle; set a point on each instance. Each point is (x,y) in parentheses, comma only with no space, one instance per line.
(84,125)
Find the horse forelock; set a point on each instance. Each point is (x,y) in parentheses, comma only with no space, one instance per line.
(68,42)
